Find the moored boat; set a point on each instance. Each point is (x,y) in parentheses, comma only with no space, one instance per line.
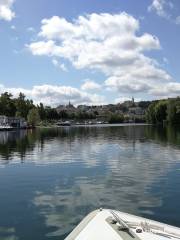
(6,128)
(109,224)
(66,123)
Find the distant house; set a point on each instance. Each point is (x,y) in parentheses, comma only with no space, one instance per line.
(83,107)
(15,122)
(3,120)
(136,111)
(68,108)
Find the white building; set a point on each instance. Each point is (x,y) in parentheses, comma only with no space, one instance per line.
(15,122)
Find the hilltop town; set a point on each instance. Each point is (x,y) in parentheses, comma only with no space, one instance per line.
(128,111)
(21,112)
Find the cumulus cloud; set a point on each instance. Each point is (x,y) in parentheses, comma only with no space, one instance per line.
(6,12)
(90,85)
(109,43)
(161,7)
(98,41)
(54,95)
(170,89)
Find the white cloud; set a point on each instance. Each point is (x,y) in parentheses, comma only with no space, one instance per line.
(90,85)
(59,65)
(177,21)
(141,77)
(54,95)
(93,26)
(171,89)
(43,48)
(108,43)
(161,8)
(6,12)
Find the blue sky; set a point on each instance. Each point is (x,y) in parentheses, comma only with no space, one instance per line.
(90,52)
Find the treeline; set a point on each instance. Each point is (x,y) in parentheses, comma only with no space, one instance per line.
(157,112)
(164,111)
(25,108)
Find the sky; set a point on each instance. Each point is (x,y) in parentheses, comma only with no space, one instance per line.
(90,52)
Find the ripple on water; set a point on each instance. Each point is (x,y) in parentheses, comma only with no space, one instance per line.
(54,177)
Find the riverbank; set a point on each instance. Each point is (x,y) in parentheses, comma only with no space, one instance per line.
(96,125)
(73,125)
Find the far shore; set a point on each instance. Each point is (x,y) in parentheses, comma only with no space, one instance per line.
(96,125)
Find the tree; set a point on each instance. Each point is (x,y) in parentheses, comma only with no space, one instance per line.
(42,111)
(173,111)
(161,111)
(150,113)
(33,117)
(51,113)
(23,106)
(116,118)
(144,104)
(7,106)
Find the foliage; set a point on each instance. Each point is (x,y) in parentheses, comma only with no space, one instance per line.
(11,107)
(7,105)
(164,111)
(81,115)
(33,117)
(144,104)
(157,112)
(173,111)
(161,111)
(150,113)
(116,118)
(42,111)
(23,105)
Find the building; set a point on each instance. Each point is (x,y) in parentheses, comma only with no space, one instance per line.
(68,108)
(136,111)
(3,120)
(15,122)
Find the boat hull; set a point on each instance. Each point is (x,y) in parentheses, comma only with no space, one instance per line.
(99,225)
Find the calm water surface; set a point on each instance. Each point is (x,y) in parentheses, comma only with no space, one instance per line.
(51,178)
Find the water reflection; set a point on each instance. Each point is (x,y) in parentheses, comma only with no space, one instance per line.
(70,171)
(8,234)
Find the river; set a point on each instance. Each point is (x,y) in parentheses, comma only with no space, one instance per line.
(51,178)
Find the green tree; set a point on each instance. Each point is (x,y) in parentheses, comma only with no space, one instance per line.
(161,111)
(173,111)
(150,113)
(23,105)
(7,106)
(51,113)
(33,117)
(116,118)
(42,111)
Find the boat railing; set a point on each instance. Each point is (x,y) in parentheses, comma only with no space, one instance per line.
(146,226)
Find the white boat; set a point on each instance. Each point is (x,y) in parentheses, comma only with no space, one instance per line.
(5,127)
(66,123)
(106,224)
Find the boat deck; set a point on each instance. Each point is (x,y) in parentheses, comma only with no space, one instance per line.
(103,224)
